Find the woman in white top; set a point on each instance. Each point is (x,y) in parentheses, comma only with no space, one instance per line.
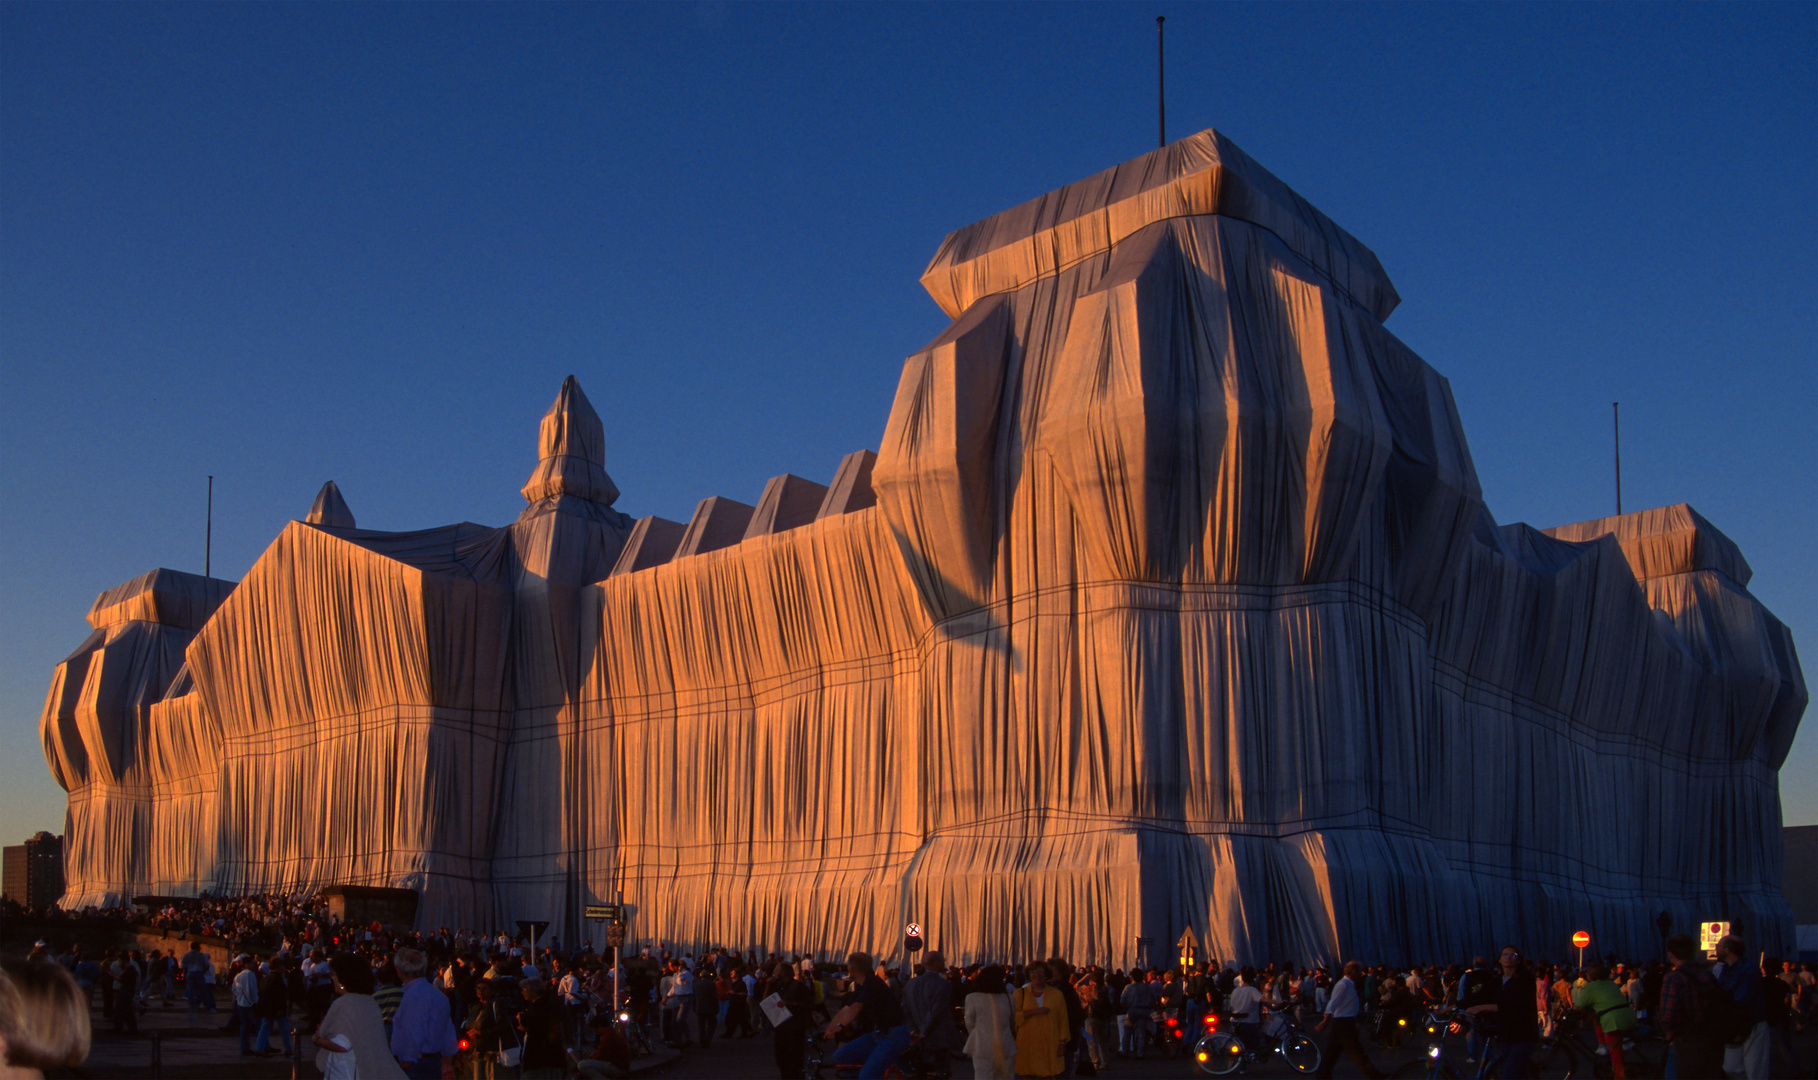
(991,1036)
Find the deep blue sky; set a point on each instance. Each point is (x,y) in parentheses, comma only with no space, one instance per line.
(283,244)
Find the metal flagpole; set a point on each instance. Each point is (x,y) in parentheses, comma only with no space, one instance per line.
(208,534)
(1161,88)
(1616,436)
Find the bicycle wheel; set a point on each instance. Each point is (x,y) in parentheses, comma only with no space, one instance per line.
(1300,1052)
(1553,1059)
(1424,1070)
(1219,1053)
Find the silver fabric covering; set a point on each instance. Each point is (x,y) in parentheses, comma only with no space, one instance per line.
(1170,600)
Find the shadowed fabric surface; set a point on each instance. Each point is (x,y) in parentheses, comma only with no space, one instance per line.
(1169,600)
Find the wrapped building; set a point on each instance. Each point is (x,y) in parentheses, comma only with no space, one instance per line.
(1170,600)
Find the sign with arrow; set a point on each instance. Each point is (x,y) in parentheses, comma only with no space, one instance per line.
(1189,948)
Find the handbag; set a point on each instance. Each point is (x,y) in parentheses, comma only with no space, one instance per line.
(508,1056)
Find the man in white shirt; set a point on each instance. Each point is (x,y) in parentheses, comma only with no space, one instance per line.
(246,995)
(1245,1005)
(1342,1011)
(678,1003)
(574,1001)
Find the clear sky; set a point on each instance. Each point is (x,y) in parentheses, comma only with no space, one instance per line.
(289,243)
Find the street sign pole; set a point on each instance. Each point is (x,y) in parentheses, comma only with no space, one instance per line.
(617,959)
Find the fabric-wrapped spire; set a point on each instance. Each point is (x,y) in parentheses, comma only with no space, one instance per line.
(330,509)
(572,445)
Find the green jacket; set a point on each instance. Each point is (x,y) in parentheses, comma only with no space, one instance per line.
(1607,1003)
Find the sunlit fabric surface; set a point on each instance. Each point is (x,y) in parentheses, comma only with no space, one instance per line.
(1169,600)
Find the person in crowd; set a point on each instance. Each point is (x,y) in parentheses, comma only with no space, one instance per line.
(791,1035)
(1395,1013)
(1477,987)
(422,1032)
(1343,1011)
(1041,1026)
(482,1027)
(245,987)
(677,993)
(105,981)
(872,1010)
(1753,1057)
(273,1007)
(43,1019)
(1517,1021)
(1101,1014)
(1061,977)
(571,990)
(192,964)
(739,984)
(388,991)
(1689,1012)
(154,972)
(706,1004)
(1612,1017)
(352,1025)
(319,986)
(87,971)
(126,995)
(1138,1000)
(1245,1008)
(928,1004)
(539,1025)
(611,1055)
(990,1026)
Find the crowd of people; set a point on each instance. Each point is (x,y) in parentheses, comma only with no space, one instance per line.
(373,1001)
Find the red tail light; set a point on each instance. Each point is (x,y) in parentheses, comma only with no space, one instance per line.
(1173,1022)
(464,1044)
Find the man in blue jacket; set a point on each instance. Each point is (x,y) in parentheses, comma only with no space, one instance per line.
(1753,1058)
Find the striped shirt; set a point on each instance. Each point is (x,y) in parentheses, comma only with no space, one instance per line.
(388,998)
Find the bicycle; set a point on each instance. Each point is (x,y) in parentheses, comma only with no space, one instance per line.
(1433,1064)
(918,1061)
(1573,1051)
(814,1058)
(1219,1053)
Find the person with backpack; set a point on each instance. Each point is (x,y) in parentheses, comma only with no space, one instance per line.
(1690,1011)
(1748,1046)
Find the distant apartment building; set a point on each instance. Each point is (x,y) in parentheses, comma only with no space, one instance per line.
(33,873)
(1801,885)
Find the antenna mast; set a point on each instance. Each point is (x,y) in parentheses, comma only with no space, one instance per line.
(1161,88)
(208,535)
(1616,437)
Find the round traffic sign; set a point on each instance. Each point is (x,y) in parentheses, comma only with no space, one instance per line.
(913,930)
(1581,939)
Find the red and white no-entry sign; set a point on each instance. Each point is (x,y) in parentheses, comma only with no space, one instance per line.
(1581,939)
